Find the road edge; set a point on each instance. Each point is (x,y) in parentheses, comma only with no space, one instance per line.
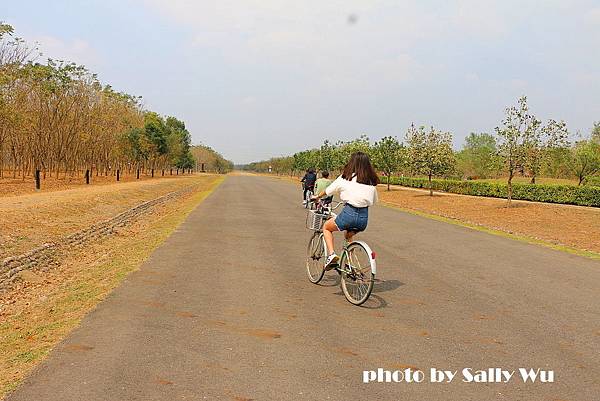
(166,226)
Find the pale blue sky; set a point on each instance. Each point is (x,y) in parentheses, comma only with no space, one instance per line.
(261,78)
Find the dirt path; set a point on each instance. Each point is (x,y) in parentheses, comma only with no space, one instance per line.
(223,311)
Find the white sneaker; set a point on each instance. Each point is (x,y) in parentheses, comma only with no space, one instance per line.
(331,261)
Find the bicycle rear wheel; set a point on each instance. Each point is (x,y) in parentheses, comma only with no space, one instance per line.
(315,258)
(309,202)
(357,274)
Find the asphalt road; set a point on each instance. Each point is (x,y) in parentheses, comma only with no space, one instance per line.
(223,310)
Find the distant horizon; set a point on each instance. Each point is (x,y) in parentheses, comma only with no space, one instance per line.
(261,79)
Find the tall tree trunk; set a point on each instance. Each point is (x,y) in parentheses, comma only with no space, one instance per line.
(510,189)
(388,181)
(430,186)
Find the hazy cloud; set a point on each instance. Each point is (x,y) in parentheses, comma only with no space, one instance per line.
(75,50)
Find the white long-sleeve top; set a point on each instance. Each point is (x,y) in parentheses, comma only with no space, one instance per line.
(352,192)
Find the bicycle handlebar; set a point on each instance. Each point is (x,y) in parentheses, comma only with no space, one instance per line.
(330,207)
(336,206)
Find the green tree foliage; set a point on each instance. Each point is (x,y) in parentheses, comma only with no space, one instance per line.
(541,142)
(180,136)
(346,149)
(596,132)
(479,157)
(585,159)
(5,29)
(430,152)
(388,156)
(156,133)
(526,145)
(136,146)
(160,142)
(306,159)
(556,163)
(514,139)
(328,158)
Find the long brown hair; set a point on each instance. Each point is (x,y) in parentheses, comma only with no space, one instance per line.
(360,166)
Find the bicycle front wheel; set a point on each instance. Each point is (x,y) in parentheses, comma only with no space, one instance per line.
(357,274)
(315,258)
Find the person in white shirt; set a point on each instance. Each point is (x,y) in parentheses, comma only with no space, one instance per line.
(357,188)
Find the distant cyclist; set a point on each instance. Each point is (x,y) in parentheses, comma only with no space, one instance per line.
(308,183)
(357,188)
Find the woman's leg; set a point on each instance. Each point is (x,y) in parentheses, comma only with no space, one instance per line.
(328,228)
(349,235)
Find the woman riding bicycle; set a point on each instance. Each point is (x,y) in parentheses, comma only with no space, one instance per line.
(357,188)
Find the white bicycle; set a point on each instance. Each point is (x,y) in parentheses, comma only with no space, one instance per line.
(357,266)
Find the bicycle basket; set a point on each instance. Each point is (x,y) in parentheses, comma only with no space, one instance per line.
(314,220)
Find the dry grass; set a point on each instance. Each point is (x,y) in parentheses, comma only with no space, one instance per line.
(32,219)
(38,313)
(10,186)
(572,226)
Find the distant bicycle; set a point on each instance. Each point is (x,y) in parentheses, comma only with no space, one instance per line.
(308,202)
(357,266)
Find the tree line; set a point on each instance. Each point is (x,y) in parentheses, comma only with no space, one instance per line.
(58,119)
(209,160)
(522,145)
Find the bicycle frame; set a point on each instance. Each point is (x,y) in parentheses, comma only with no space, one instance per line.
(330,208)
(354,278)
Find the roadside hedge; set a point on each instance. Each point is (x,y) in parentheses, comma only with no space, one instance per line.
(567,194)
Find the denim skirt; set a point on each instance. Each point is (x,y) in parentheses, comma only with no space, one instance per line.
(352,218)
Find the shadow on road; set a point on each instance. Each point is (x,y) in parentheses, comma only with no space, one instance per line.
(375,302)
(330,280)
(387,285)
